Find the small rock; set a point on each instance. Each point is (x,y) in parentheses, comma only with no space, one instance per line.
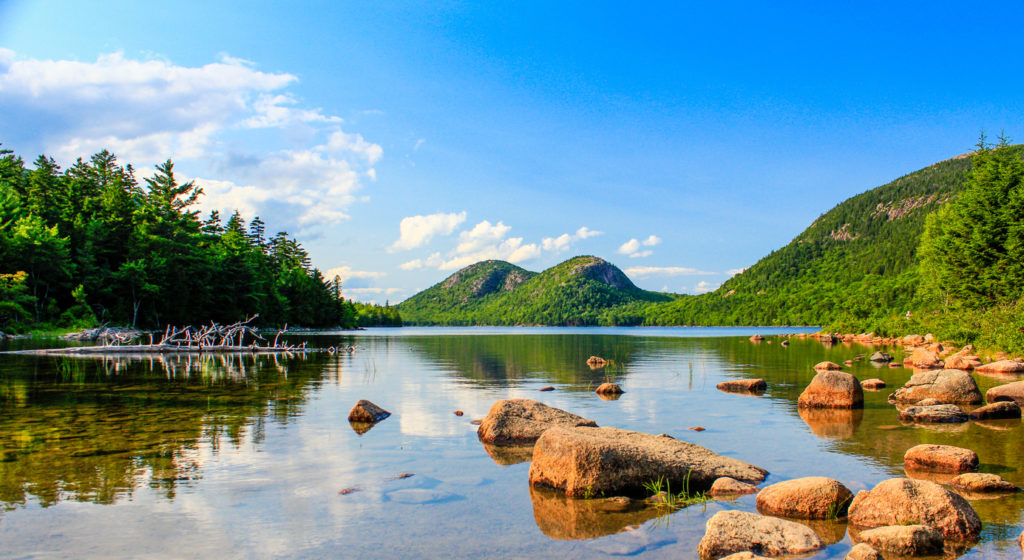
(609,389)
(745,555)
(728,532)
(832,389)
(905,501)
(820,366)
(880,357)
(742,385)
(873,384)
(948,386)
(1002,366)
(366,412)
(923,358)
(904,540)
(477,422)
(996,411)
(895,365)
(696,428)
(756,338)
(937,414)
(848,362)
(928,402)
(725,486)
(940,458)
(596,362)
(1008,392)
(524,420)
(813,497)
(347,491)
(912,339)
(784,343)
(863,551)
(548,388)
(400,476)
(979,483)
(459,413)
(965,362)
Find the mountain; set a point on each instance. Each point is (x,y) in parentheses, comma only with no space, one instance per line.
(580,291)
(856,263)
(855,266)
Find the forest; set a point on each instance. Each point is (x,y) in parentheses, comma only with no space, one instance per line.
(91,244)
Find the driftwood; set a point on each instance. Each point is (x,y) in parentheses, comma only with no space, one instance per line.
(212,338)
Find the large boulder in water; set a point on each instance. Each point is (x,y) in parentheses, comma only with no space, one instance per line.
(933,414)
(1008,392)
(996,411)
(614,462)
(880,356)
(1002,366)
(729,532)
(923,358)
(940,458)
(367,413)
(812,497)
(524,420)
(947,386)
(982,483)
(904,540)
(832,389)
(962,361)
(901,501)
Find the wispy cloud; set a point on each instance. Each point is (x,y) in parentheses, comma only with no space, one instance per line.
(735,271)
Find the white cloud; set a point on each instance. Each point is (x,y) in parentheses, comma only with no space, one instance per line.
(644,271)
(564,241)
(415,231)
(346,273)
(419,143)
(632,247)
(146,111)
(431,261)
(704,287)
(735,271)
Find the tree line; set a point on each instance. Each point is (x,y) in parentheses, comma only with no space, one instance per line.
(90,244)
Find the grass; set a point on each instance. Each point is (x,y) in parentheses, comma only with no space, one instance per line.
(672,500)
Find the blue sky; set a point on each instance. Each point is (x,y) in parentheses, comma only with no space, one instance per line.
(399,142)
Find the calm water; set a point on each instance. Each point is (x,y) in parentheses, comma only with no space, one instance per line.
(244,458)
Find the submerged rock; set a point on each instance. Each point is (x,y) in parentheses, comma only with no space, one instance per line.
(524,420)
(609,389)
(880,357)
(940,458)
(725,486)
(563,518)
(813,497)
(832,389)
(729,532)
(982,483)
(827,366)
(873,384)
(756,338)
(996,411)
(904,540)
(863,551)
(367,413)
(596,362)
(742,385)
(593,460)
(900,501)
(934,414)
(1008,392)
(948,386)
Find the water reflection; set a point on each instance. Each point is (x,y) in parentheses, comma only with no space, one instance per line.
(95,430)
(832,423)
(564,518)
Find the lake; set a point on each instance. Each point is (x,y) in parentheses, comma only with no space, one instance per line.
(246,457)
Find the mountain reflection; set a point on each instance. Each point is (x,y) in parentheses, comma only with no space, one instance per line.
(97,429)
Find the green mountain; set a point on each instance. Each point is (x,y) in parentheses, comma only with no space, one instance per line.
(580,291)
(856,263)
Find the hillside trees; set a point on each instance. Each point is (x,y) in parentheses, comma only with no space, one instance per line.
(90,244)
